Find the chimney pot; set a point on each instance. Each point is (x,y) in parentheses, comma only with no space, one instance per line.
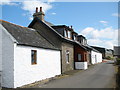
(71,26)
(36,9)
(40,9)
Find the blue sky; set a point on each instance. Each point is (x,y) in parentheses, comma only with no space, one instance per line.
(98,21)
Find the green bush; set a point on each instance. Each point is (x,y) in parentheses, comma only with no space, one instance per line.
(109,58)
(118,61)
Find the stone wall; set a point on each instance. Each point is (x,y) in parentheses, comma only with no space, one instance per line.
(66,66)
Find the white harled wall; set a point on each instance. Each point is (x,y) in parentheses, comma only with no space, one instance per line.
(96,57)
(7,59)
(48,65)
(0,48)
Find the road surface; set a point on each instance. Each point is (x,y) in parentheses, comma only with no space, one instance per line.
(98,76)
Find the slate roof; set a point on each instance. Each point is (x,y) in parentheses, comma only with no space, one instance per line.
(91,48)
(81,45)
(52,29)
(27,36)
(98,47)
(59,35)
(62,37)
(116,50)
(50,24)
(64,26)
(81,36)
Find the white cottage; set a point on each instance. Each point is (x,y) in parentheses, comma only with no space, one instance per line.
(26,56)
(96,57)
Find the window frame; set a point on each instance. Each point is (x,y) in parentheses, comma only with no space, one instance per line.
(74,37)
(33,57)
(69,34)
(67,56)
(65,33)
(79,57)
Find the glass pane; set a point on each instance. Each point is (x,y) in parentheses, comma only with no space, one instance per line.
(79,57)
(67,58)
(69,34)
(65,33)
(33,56)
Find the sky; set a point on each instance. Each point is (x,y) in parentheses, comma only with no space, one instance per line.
(97,21)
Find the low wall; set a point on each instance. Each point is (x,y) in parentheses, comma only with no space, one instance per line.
(81,65)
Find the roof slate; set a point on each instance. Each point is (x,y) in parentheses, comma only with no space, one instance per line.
(27,36)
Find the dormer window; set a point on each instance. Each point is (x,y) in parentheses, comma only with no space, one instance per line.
(65,33)
(83,42)
(74,37)
(69,34)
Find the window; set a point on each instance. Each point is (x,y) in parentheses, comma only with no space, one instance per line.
(95,58)
(74,37)
(83,42)
(69,34)
(34,57)
(85,56)
(65,32)
(79,57)
(67,56)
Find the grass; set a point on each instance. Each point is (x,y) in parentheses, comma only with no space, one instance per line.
(110,58)
(118,73)
(118,78)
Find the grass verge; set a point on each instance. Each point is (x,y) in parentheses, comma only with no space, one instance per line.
(118,77)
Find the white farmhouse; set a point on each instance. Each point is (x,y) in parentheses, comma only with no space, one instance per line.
(26,56)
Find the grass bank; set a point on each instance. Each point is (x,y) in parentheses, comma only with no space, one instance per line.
(118,77)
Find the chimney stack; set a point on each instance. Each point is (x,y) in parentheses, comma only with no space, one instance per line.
(36,9)
(39,14)
(40,9)
(71,26)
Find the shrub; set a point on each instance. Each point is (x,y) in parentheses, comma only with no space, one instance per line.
(109,58)
(118,61)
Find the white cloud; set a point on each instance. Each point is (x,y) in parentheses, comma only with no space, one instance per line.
(30,5)
(104,22)
(51,0)
(116,14)
(53,13)
(107,37)
(7,2)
